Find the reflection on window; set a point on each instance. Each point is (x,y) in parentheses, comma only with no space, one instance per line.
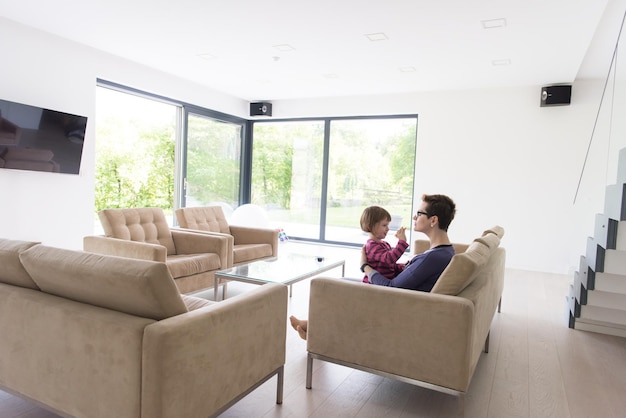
(286,174)
(213,163)
(135,143)
(370,162)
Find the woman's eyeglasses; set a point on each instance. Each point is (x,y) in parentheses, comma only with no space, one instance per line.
(420,213)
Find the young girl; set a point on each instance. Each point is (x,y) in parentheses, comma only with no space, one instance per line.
(380,256)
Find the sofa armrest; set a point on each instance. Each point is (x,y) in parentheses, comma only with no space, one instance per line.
(229,238)
(190,242)
(418,335)
(124,248)
(249,235)
(196,363)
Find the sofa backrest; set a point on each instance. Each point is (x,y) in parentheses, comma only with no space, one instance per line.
(422,245)
(136,287)
(12,271)
(138,224)
(465,267)
(204,218)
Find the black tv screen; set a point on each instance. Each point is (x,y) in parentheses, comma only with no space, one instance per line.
(38,139)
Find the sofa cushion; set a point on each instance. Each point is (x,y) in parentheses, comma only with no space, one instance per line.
(138,224)
(190,264)
(205,218)
(498,230)
(193,302)
(12,271)
(462,270)
(136,287)
(490,240)
(246,252)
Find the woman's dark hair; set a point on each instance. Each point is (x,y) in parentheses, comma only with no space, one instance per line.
(371,216)
(442,206)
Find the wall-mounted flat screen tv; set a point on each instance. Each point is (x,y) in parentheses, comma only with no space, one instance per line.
(37,139)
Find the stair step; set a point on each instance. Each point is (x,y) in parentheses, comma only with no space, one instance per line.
(620,242)
(590,313)
(605,260)
(614,262)
(599,327)
(621,166)
(606,231)
(608,282)
(573,301)
(606,300)
(585,272)
(615,201)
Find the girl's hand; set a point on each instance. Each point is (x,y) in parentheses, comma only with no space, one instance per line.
(401,233)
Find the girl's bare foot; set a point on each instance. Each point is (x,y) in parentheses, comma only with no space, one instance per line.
(302,332)
(295,323)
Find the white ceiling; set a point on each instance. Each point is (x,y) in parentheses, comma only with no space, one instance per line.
(235,46)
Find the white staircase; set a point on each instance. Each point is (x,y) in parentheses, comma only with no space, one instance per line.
(597,298)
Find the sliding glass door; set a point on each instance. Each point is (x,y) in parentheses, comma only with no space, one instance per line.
(287,162)
(213,162)
(371,162)
(315,177)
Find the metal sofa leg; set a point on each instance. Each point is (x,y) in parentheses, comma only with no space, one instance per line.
(487,342)
(309,371)
(499,304)
(461,404)
(279,386)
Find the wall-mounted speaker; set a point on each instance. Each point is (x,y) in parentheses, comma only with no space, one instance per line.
(555,95)
(260,109)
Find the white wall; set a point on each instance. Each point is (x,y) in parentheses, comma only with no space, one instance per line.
(502,158)
(47,71)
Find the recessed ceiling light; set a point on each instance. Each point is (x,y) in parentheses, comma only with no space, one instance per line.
(494,23)
(505,61)
(379,36)
(407,69)
(284,47)
(207,56)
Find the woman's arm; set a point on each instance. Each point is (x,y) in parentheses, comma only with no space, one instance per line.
(420,274)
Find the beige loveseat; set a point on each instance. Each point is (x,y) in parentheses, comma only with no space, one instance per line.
(430,339)
(90,335)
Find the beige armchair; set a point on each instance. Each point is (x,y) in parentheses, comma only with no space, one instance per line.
(143,233)
(246,244)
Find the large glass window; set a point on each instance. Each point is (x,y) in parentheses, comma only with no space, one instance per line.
(287,161)
(213,162)
(371,162)
(315,177)
(135,151)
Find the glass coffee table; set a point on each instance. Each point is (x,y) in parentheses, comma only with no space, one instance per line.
(286,269)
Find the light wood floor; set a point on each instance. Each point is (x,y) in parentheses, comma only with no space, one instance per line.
(536,367)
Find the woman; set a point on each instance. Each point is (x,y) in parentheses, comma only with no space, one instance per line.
(421,273)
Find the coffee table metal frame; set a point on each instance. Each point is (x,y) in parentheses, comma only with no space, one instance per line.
(303,267)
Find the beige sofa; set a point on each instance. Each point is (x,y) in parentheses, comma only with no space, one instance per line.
(89,335)
(429,339)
